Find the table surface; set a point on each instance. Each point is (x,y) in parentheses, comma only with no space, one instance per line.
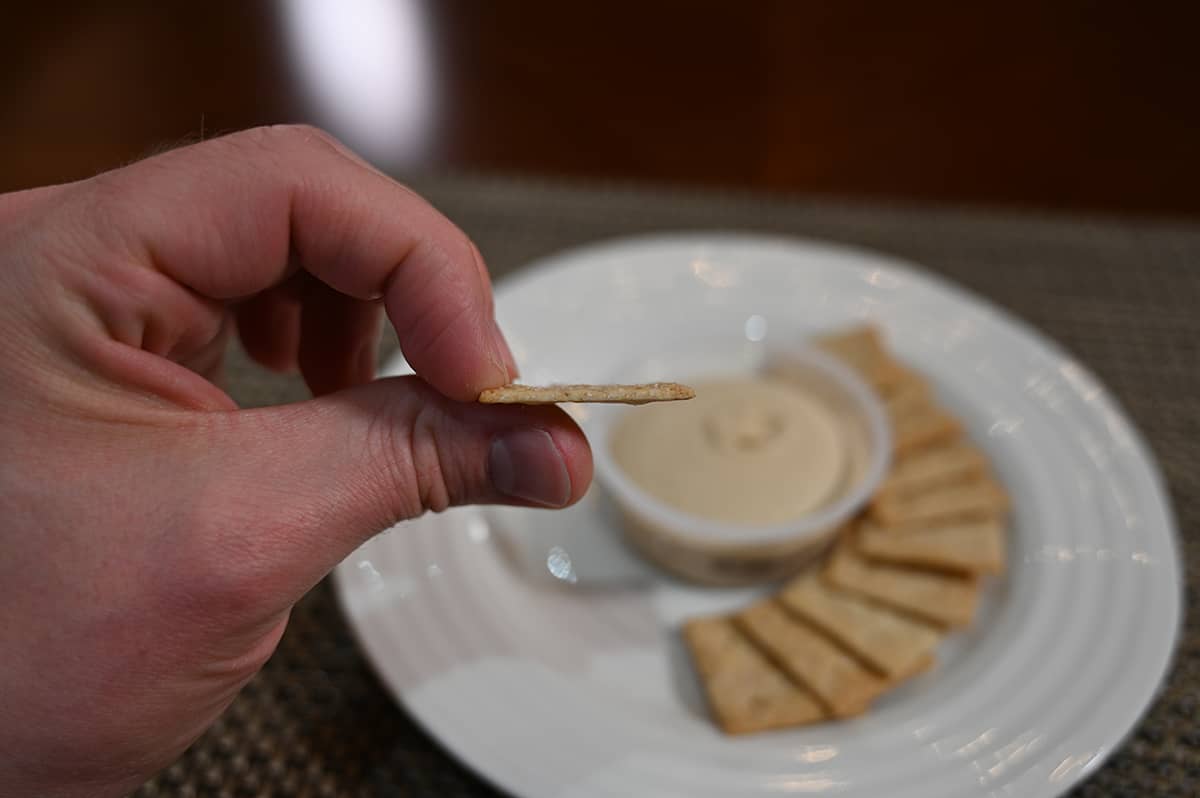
(1120,294)
(1071,104)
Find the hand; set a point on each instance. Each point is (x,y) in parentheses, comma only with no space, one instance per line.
(153,537)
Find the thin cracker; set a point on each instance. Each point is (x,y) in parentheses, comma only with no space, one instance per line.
(977,500)
(746,691)
(926,427)
(910,394)
(918,667)
(890,643)
(862,349)
(975,547)
(606,394)
(947,600)
(931,469)
(897,380)
(840,681)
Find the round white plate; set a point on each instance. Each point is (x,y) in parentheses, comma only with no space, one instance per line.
(547,658)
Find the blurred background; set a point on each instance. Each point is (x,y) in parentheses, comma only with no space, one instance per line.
(1067,105)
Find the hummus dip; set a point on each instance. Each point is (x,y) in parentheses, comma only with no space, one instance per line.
(746,451)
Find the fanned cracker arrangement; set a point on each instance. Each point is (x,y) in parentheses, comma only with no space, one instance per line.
(904,574)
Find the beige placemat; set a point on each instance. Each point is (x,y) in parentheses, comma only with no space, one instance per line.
(1122,295)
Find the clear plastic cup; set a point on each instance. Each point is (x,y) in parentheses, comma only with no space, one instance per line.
(716,552)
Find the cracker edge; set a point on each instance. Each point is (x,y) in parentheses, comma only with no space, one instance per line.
(597,393)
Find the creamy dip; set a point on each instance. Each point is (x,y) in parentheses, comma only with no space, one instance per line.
(748,451)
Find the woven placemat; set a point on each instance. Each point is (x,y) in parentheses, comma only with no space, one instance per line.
(1123,296)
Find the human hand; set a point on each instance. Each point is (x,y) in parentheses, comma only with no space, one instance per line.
(153,537)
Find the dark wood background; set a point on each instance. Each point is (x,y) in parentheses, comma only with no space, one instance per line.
(1057,105)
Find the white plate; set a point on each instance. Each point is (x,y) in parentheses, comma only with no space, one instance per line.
(546,658)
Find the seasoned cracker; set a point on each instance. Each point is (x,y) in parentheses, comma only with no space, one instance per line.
(899,380)
(898,377)
(918,667)
(930,469)
(947,600)
(887,641)
(978,500)
(928,426)
(969,547)
(862,349)
(843,684)
(910,395)
(746,691)
(609,394)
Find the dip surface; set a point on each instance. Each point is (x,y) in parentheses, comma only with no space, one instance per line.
(751,451)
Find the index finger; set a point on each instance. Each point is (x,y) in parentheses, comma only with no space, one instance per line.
(233,216)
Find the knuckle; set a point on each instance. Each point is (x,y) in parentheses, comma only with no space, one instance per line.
(429,467)
(283,137)
(434,324)
(418,474)
(302,132)
(390,443)
(99,203)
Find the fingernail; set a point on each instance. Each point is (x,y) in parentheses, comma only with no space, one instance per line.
(525,464)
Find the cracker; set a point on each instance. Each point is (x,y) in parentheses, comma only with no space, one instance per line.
(887,641)
(929,469)
(924,427)
(947,600)
(842,683)
(897,379)
(918,667)
(978,500)
(746,691)
(975,547)
(862,349)
(611,394)
(909,394)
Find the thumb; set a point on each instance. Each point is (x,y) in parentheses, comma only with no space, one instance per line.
(303,485)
